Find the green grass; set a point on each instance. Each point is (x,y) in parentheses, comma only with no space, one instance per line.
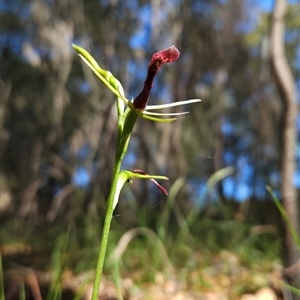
(57,265)
(212,251)
(195,260)
(293,232)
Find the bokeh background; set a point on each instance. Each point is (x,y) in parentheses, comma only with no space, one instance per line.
(220,229)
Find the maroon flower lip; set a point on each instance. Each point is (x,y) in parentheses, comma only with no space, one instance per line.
(158,59)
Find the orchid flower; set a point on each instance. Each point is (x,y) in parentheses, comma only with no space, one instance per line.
(140,103)
(128,112)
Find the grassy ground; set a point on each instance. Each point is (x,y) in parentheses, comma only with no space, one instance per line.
(222,258)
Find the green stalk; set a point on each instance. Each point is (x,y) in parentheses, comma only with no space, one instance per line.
(123,141)
(106,229)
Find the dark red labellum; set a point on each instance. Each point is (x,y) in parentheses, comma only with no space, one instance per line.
(158,59)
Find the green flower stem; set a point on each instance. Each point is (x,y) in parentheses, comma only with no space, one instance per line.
(106,229)
(122,145)
(129,120)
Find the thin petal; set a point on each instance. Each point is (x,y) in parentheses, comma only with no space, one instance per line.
(173,104)
(157,119)
(160,187)
(105,76)
(165,114)
(116,92)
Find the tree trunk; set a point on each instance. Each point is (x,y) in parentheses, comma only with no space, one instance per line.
(287,90)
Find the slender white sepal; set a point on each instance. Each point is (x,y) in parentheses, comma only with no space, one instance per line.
(161,106)
(165,114)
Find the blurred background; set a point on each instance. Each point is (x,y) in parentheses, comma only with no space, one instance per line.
(218,233)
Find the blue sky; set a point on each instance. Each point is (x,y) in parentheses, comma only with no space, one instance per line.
(267,5)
